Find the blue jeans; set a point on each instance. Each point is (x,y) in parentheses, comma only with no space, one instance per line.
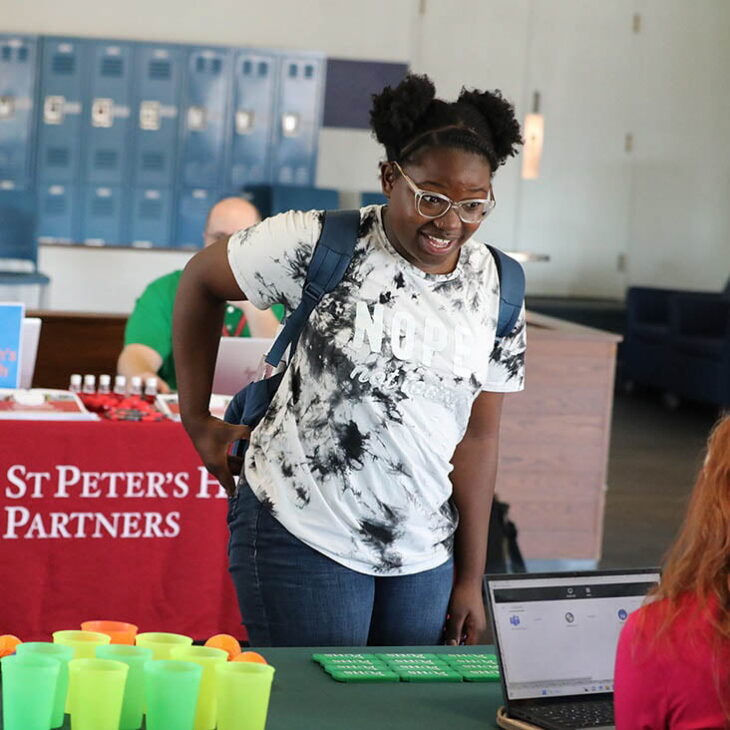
(291,595)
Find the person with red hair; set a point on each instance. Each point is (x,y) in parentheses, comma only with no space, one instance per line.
(673,656)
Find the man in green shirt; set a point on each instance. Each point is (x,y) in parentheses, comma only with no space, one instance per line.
(148,335)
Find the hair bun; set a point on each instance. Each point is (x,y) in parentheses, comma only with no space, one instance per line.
(499,114)
(396,112)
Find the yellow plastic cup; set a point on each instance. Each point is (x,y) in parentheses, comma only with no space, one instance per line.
(243,690)
(208,658)
(119,631)
(98,686)
(84,644)
(162,643)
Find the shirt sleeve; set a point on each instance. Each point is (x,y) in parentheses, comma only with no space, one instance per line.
(150,323)
(269,261)
(506,372)
(640,696)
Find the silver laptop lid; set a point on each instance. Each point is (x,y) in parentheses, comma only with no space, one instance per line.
(556,634)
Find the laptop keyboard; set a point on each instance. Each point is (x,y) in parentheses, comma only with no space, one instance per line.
(571,715)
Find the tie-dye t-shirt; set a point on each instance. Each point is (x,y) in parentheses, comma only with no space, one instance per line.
(353,455)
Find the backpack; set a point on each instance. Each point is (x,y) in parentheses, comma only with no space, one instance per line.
(332,255)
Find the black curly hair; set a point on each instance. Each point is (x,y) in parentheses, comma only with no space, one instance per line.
(409,117)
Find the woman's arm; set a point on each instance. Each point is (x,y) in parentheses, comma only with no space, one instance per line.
(206,285)
(473,477)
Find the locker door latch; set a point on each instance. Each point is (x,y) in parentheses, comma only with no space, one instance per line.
(102,113)
(196,118)
(54,109)
(149,115)
(7,107)
(290,124)
(244,121)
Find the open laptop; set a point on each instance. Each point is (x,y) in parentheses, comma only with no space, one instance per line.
(29,336)
(238,363)
(556,637)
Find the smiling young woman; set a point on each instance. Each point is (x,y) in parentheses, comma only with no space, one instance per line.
(362,509)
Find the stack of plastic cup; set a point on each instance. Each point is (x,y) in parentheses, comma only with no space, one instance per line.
(62,655)
(171,694)
(118,631)
(135,657)
(98,686)
(243,690)
(208,658)
(29,691)
(84,645)
(162,643)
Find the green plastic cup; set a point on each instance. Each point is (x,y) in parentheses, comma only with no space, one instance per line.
(62,654)
(84,644)
(171,693)
(29,690)
(208,658)
(135,657)
(98,691)
(243,690)
(161,643)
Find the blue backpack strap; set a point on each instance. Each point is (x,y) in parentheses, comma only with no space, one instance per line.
(511,290)
(331,257)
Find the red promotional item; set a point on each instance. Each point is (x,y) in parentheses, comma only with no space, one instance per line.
(111,519)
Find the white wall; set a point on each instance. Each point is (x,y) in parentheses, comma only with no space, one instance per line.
(663,206)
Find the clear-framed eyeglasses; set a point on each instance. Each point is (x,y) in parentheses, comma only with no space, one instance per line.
(435,205)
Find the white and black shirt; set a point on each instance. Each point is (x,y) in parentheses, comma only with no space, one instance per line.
(353,456)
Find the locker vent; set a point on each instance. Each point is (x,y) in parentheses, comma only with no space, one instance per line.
(106,160)
(159,70)
(102,207)
(63,64)
(153,161)
(22,54)
(292,70)
(247,68)
(54,205)
(6,53)
(216,66)
(308,71)
(263,68)
(112,66)
(58,157)
(150,210)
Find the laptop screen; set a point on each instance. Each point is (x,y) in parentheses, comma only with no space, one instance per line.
(557,635)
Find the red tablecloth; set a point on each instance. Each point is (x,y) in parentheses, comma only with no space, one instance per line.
(110,521)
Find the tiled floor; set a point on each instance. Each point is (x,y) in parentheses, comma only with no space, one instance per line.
(654,457)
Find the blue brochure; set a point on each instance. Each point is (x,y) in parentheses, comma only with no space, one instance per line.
(11,324)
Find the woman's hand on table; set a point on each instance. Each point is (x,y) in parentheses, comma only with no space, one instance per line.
(466,622)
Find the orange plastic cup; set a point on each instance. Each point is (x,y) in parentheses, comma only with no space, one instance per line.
(119,631)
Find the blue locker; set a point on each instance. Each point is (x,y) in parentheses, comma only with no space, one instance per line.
(206,90)
(156,109)
(63,69)
(107,119)
(18,60)
(151,216)
(298,118)
(372,199)
(101,222)
(273,199)
(254,87)
(17,224)
(57,213)
(192,209)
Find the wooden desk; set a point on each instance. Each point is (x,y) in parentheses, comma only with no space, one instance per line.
(555,439)
(76,342)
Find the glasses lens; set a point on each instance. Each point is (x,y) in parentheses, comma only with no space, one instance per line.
(432,206)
